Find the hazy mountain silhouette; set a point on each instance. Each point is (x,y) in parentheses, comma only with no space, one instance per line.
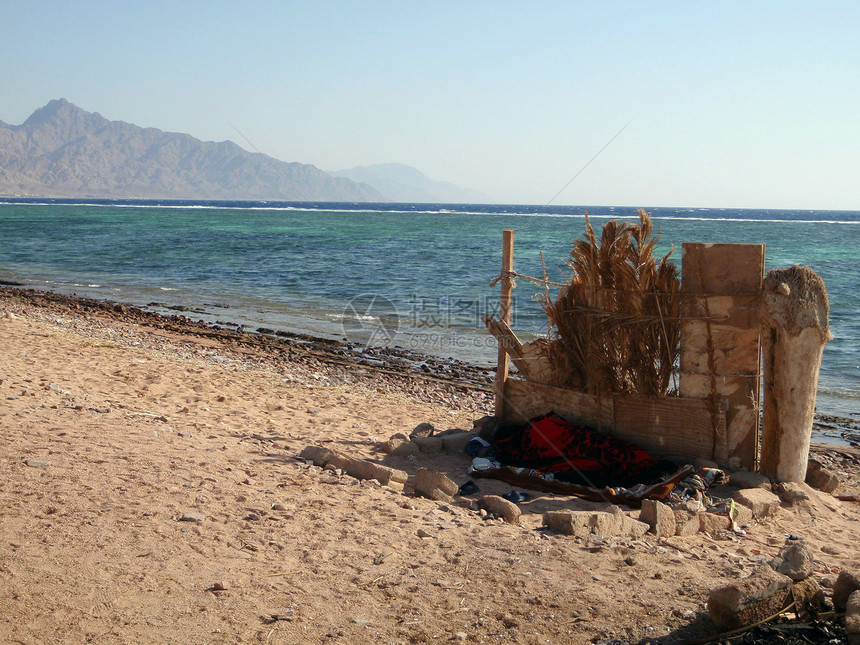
(65,151)
(402,183)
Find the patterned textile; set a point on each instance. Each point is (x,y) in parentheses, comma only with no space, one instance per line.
(573,453)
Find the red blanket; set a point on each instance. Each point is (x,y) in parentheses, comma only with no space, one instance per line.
(575,453)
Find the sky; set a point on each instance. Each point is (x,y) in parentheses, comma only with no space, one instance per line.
(718,104)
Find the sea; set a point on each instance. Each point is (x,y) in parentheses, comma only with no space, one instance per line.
(415,276)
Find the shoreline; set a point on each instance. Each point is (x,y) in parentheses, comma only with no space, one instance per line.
(387,361)
(394,362)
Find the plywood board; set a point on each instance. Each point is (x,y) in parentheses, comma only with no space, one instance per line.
(673,426)
(720,339)
(525,400)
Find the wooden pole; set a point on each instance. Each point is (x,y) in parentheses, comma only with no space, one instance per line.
(796,327)
(505,317)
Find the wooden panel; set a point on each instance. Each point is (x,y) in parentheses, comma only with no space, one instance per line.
(666,426)
(673,426)
(524,400)
(720,352)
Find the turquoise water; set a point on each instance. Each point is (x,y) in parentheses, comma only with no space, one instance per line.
(412,275)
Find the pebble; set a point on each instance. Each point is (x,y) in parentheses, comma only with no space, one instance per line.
(192,517)
(36,463)
(425,534)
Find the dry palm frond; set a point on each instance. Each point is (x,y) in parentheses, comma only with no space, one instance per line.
(616,321)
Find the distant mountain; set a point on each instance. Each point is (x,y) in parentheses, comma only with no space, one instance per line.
(401,183)
(64,151)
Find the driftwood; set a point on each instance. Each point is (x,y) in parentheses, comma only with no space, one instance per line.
(530,359)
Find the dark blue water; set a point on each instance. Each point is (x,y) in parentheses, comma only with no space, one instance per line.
(420,271)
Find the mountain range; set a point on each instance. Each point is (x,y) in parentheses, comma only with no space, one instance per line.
(402,183)
(62,150)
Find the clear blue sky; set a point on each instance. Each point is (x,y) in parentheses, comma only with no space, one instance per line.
(729,104)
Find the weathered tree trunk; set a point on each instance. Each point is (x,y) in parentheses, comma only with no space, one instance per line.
(795,330)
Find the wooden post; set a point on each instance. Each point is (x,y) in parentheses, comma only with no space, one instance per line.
(505,317)
(796,327)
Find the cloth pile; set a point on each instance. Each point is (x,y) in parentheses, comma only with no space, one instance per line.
(550,453)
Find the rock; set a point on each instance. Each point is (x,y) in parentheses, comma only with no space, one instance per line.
(406,449)
(366,469)
(425,534)
(852,618)
(794,561)
(422,430)
(576,523)
(428,444)
(713,522)
(385,475)
(192,517)
(686,523)
(36,463)
(395,441)
(658,516)
(762,503)
(743,515)
(747,601)
(219,586)
(435,485)
(820,477)
(746,479)
(339,461)
(846,583)
(792,493)
(808,596)
(456,442)
(362,469)
(318,455)
(500,507)
(625,525)
(637,529)
(604,523)
(486,427)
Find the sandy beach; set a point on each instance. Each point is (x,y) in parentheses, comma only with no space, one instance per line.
(150,492)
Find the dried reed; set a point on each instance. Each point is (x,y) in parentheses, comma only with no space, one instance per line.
(616,322)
